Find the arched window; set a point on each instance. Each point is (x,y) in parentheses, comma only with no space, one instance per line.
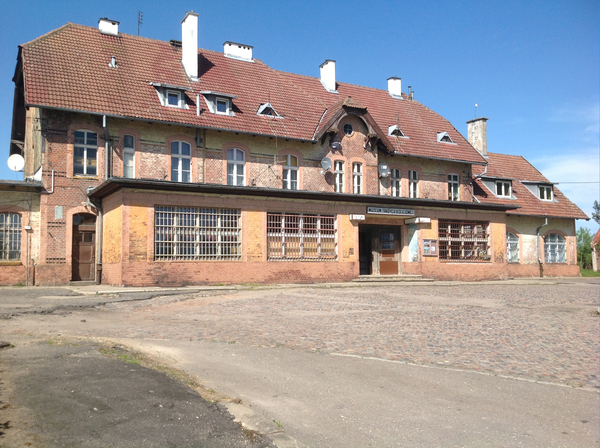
(129,156)
(453,187)
(396,182)
(512,248)
(181,161)
(10,237)
(290,173)
(85,153)
(413,184)
(357,178)
(236,159)
(555,248)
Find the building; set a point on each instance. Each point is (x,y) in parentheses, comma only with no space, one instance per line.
(166,164)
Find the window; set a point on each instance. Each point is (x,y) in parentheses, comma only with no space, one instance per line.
(181,158)
(396,131)
(236,159)
(301,237)
(463,240)
(555,248)
(10,237)
(357,179)
(503,189)
(396,182)
(545,192)
(174,98)
(338,173)
(85,152)
(444,137)
(192,233)
(129,156)
(348,129)
(453,187)
(222,106)
(512,248)
(290,173)
(413,184)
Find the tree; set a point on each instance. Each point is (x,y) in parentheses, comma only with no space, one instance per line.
(596,214)
(584,248)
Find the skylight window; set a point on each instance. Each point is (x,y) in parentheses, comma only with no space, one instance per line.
(268,110)
(444,137)
(396,131)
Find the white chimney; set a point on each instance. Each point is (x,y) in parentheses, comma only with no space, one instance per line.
(107,26)
(395,87)
(189,44)
(328,75)
(237,51)
(477,134)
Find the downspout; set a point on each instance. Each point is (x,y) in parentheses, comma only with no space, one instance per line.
(204,158)
(106,157)
(537,232)
(99,208)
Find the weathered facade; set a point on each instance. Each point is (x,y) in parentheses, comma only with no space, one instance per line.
(161,168)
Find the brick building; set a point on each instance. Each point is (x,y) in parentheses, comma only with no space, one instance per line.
(166,164)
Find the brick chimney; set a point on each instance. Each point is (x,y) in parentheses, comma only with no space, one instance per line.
(477,134)
(189,44)
(328,75)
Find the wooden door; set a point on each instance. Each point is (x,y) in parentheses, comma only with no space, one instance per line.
(83,259)
(389,251)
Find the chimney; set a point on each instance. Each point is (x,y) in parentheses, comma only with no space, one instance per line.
(477,134)
(395,87)
(328,75)
(238,51)
(107,26)
(189,43)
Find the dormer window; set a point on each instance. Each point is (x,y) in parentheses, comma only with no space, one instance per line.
(396,131)
(223,106)
(545,192)
(219,103)
(171,96)
(444,137)
(503,189)
(174,98)
(268,110)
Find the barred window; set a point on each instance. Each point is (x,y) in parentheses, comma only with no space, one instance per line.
(301,237)
(464,240)
(10,237)
(192,233)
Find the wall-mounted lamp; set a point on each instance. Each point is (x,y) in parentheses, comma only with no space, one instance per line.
(336,145)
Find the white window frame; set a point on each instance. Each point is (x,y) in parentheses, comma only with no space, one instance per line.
(338,173)
(396,177)
(180,157)
(129,151)
(543,193)
(453,187)
(234,166)
(177,93)
(512,248)
(10,236)
(357,178)
(290,173)
(503,189)
(555,248)
(86,150)
(413,184)
(227,105)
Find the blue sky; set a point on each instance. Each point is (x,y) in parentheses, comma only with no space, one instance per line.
(532,67)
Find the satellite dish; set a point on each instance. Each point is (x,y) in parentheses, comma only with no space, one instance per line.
(16,162)
(384,170)
(326,164)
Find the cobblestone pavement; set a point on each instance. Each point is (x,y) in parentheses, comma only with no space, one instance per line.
(540,332)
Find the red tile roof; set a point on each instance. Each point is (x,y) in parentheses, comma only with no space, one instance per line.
(518,169)
(68,68)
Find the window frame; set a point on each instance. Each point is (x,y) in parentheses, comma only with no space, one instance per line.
(236,166)
(220,99)
(555,251)
(179,94)
(512,246)
(338,176)
(357,178)
(85,147)
(129,151)
(545,188)
(396,182)
(11,228)
(453,187)
(180,157)
(287,172)
(350,128)
(464,241)
(502,184)
(413,184)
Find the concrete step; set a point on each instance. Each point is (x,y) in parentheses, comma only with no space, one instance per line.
(82,283)
(391,278)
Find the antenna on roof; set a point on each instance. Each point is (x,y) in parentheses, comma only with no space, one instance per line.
(475,110)
(140,20)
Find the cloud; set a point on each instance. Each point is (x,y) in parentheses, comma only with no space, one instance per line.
(588,114)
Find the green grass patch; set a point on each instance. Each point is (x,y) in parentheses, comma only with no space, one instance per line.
(589,273)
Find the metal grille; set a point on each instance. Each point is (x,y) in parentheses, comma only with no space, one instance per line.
(191,233)
(302,237)
(464,241)
(10,237)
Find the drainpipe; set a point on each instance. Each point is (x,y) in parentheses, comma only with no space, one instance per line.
(537,232)
(204,157)
(106,157)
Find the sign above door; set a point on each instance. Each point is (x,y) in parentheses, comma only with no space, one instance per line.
(390,211)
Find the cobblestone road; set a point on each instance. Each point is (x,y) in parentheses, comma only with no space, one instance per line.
(540,332)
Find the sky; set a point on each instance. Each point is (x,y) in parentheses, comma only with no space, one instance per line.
(531,67)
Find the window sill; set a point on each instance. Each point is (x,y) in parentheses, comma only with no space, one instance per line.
(11,263)
(84,176)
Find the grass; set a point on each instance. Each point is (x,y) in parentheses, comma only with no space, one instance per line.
(589,273)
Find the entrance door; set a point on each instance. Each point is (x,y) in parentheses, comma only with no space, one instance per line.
(84,244)
(389,250)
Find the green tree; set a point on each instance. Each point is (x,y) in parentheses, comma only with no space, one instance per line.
(596,213)
(584,248)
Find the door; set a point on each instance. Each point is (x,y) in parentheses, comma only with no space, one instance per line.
(84,244)
(389,250)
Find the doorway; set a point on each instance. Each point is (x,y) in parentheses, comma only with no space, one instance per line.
(84,247)
(379,250)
